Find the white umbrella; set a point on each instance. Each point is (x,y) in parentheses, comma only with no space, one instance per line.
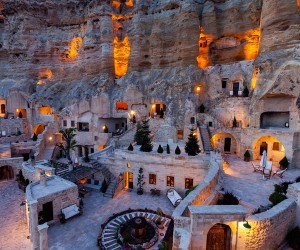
(263,161)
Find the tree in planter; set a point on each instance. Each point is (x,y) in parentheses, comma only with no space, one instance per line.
(247,156)
(234,122)
(138,137)
(70,143)
(246,92)
(191,146)
(140,182)
(177,150)
(160,150)
(146,141)
(104,186)
(34,137)
(130,147)
(20,115)
(284,163)
(168,149)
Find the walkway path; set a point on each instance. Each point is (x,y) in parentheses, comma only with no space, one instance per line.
(250,186)
(81,232)
(13,230)
(47,153)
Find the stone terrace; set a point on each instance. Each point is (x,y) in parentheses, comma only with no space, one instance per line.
(249,186)
(82,231)
(13,230)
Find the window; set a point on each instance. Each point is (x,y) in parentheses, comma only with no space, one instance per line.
(92,150)
(170,181)
(224,84)
(83,126)
(72,124)
(152,179)
(121,106)
(210,124)
(2,108)
(65,123)
(192,120)
(276,146)
(188,183)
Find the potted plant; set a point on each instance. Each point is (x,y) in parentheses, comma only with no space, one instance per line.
(130,148)
(177,151)
(158,221)
(246,92)
(234,122)
(284,163)
(140,182)
(247,156)
(34,137)
(160,150)
(168,149)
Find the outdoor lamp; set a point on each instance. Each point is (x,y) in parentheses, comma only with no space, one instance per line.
(246,224)
(198,89)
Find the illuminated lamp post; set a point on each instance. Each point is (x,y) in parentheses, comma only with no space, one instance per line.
(198,89)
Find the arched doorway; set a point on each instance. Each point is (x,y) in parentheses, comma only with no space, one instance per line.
(128,180)
(225,142)
(39,128)
(6,173)
(219,238)
(274,148)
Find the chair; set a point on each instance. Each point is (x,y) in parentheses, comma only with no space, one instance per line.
(279,172)
(257,168)
(267,171)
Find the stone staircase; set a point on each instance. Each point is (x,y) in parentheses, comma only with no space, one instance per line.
(205,137)
(108,176)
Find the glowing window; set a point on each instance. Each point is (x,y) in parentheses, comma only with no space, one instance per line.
(170,181)
(188,183)
(122,106)
(152,179)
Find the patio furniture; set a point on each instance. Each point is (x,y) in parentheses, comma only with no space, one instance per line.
(70,211)
(174,197)
(155,192)
(279,172)
(258,169)
(267,170)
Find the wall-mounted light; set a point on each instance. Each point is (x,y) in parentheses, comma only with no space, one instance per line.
(132,112)
(50,138)
(246,224)
(198,89)
(286,124)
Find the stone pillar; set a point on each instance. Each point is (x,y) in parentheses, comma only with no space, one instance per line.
(43,179)
(43,230)
(33,222)
(293,192)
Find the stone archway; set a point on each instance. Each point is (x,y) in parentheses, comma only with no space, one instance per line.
(6,173)
(39,128)
(219,237)
(225,142)
(274,148)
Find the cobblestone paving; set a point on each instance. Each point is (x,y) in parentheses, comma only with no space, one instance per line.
(250,186)
(13,230)
(81,232)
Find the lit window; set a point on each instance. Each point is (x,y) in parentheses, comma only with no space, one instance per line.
(188,183)
(170,181)
(276,146)
(152,179)
(65,123)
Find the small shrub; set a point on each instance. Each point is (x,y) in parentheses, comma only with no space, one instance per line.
(276,198)
(285,186)
(20,115)
(247,153)
(246,92)
(284,162)
(293,238)
(190,190)
(34,137)
(104,186)
(168,149)
(202,108)
(234,123)
(177,151)
(278,188)
(297,179)
(228,199)
(160,150)
(130,147)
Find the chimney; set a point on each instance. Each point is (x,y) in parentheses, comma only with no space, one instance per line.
(43,178)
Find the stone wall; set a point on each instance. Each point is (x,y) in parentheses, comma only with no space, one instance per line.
(269,229)
(161,165)
(15,163)
(14,138)
(12,126)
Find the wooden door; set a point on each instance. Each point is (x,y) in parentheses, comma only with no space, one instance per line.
(227,144)
(219,238)
(235,88)
(48,211)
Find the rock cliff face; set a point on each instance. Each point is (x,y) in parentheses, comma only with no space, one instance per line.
(60,52)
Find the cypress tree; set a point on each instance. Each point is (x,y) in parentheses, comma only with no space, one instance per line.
(177,150)
(168,149)
(191,146)
(138,137)
(130,148)
(160,150)
(146,140)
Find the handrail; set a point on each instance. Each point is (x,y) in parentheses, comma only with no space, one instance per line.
(116,186)
(106,151)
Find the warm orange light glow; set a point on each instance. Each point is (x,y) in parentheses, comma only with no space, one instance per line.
(50,138)
(122,106)
(45,110)
(204,42)
(132,112)
(129,3)
(116,4)
(254,79)
(252,46)
(40,82)
(17,110)
(198,89)
(153,106)
(121,55)
(104,127)
(46,73)
(75,45)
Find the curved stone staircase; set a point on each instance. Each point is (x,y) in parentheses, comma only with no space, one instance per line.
(110,231)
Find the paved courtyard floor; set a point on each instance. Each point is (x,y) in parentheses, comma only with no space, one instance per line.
(13,230)
(81,232)
(250,186)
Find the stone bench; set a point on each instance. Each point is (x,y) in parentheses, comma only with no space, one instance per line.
(69,212)
(174,197)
